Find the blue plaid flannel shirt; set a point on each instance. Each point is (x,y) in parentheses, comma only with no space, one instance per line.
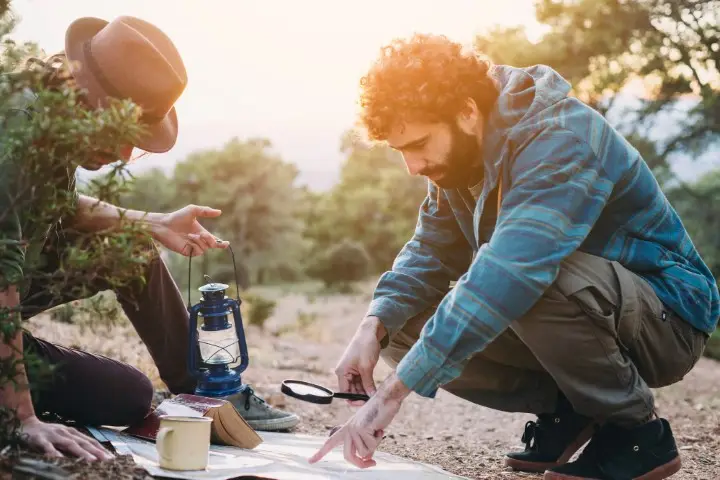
(570,182)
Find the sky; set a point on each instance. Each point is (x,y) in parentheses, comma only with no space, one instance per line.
(284,70)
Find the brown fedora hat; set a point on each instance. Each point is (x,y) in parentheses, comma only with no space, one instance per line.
(129,58)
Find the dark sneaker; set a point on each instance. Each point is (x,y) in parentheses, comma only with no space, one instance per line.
(550,441)
(259,414)
(645,452)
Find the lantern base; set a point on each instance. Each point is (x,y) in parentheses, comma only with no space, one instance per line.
(214,383)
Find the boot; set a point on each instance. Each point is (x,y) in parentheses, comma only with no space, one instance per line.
(550,441)
(646,452)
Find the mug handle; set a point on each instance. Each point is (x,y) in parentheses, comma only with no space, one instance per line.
(160,442)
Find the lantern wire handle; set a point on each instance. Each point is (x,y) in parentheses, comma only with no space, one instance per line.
(237,284)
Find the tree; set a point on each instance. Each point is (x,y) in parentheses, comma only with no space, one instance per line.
(261,209)
(56,139)
(376,204)
(342,264)
(670,47)
(702,220)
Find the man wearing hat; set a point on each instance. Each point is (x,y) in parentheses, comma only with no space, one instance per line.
(125,58)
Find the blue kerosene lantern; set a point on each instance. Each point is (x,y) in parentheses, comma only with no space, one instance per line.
(221,341)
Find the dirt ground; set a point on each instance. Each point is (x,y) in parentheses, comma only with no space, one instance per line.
(306,336)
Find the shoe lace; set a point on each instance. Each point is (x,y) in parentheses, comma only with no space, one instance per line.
(533,433)
(249,394)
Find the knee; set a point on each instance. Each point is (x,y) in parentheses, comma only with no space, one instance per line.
(140,402)
(135,401)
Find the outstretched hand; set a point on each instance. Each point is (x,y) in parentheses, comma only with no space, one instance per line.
(55,439)
(181,232)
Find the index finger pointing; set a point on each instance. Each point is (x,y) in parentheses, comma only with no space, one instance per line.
(330,443)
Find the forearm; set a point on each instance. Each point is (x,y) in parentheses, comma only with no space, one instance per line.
(93,215)
(14,394)
(393,389)
(374,326)
(437,254)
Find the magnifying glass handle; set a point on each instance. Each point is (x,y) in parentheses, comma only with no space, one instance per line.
(352,396)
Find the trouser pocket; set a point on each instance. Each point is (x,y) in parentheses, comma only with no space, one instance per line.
(666,347)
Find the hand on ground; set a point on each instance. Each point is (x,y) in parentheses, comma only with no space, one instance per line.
(56,440)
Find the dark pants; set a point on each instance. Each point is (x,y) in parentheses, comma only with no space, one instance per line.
(599,334)
(93,389)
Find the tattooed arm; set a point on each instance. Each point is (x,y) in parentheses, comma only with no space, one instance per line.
(362,434)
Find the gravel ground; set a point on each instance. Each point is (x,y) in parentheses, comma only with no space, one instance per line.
(305,338)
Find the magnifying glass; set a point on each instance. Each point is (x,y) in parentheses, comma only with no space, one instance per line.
(309,392)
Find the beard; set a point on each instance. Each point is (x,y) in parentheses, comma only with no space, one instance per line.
(461,167)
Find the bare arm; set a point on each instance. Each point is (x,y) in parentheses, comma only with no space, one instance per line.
(15,395)
(93,215)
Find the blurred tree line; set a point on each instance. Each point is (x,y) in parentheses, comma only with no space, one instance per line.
(668,50)
(280,232)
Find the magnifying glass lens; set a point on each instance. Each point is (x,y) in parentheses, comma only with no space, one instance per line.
(304,389)
(307,392)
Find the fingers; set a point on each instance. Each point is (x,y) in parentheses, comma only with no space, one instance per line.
(343,382)
(206,212)
(70,445)
(203,239)
(47,447)
(211,241)
(221,243)
(91,445)
(362,449)
(80,445)
(329,444)
(366,375)
(201,242)
(351,453)
(356,387)
(355,450)
(192,248)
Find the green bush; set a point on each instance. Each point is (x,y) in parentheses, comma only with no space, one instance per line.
(57,138)
(340,265)
(257,309)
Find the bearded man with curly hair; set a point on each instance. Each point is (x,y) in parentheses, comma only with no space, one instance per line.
(576,287)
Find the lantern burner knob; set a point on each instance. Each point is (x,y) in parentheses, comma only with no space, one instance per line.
(212,290)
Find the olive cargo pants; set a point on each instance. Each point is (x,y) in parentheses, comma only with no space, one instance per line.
(599,334)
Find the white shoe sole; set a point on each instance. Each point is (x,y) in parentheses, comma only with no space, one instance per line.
(274,424)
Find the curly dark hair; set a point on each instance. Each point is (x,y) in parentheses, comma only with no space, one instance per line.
(423,78)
